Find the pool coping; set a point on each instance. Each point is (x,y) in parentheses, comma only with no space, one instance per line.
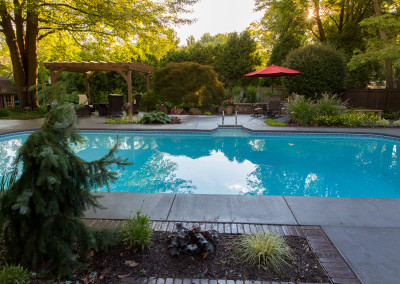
(328,256)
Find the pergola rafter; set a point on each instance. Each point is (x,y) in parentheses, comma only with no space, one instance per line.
(91,68)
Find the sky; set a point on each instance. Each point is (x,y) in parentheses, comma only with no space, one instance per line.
(219,16)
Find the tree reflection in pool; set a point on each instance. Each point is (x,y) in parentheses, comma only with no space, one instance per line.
(238,162)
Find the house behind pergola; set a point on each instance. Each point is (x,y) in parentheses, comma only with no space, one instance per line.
(7,93)
(91,68)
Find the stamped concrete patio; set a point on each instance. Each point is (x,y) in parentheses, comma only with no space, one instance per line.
(365,231)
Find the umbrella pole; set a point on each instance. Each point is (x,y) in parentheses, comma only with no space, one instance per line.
(272,92)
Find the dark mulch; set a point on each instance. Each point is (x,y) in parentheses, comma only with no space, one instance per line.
(155,261)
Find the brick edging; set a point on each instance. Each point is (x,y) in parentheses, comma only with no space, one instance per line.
(328,256)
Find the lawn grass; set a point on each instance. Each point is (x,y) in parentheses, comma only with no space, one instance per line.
(20,114)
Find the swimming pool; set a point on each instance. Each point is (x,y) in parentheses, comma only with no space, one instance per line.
(231,161)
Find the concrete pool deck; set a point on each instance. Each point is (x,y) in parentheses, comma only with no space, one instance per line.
(365,231)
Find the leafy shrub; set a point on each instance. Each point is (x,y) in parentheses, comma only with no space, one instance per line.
(301,109)
(10,274)
(4,112)
(102,239)
(382,123)
(117,121)
(193,241)
(155,117)
(136,233)
(329,105)
(264,249)
(272,122)
(396,123)
(391,115)
(350,119)
(323,70)
(207,113)
(187,82)
(327,120)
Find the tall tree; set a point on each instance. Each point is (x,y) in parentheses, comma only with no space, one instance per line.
(238,56)
(25,22)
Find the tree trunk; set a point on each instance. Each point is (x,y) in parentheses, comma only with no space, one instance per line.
(23,49)
(388,62)
(321,31)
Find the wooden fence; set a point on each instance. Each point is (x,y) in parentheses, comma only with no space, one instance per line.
(387,100)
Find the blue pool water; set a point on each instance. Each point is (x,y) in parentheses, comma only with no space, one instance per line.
(239,162)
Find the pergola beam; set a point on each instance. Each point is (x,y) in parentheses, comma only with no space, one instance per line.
(123,68)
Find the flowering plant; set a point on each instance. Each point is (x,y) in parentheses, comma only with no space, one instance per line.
(230,102)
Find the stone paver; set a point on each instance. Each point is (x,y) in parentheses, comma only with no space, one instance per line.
(368,212)
(231,208)
(373,253)
(122,205)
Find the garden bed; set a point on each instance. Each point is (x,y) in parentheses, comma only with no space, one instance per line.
(156,261)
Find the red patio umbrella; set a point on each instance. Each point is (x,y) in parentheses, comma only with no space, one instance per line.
(273,71)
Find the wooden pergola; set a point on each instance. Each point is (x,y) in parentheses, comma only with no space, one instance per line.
(91,68)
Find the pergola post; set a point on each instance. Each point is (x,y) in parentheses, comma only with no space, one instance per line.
(129,82)
(148,83)
(87,85)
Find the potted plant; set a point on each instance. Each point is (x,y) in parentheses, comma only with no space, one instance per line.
(229,105)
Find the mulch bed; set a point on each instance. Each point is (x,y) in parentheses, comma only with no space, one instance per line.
(156,261)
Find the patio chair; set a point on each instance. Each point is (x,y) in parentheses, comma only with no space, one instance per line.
(274,106)
(257,110)
(135,106)
(115,103)
(85,109)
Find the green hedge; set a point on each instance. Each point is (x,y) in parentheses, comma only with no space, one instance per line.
(323,71)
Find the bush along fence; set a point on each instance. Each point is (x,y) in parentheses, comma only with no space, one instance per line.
(387,100)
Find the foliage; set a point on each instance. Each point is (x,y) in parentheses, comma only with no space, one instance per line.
(329,105)
(251,94)
(396,123)
(11,274)
(229,102)
(264,249)
(4,112)
(379,49)
(323,70)
(238,56)
(391,115)
(155,117)
(272,122)
(43,208)
(189,83)
(207,113)
(301,109)
(136,232)
(382,123)
(350,119)
(117,121)
(24,113)
(192,241)
(98,26)
(103,239)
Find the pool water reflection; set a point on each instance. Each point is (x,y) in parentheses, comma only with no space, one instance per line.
(237,162)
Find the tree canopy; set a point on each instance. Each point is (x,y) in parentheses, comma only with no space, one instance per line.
(188,82)
(96,22)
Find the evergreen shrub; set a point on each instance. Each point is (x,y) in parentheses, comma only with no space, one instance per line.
(323,71)
(42,209)
(396,123)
